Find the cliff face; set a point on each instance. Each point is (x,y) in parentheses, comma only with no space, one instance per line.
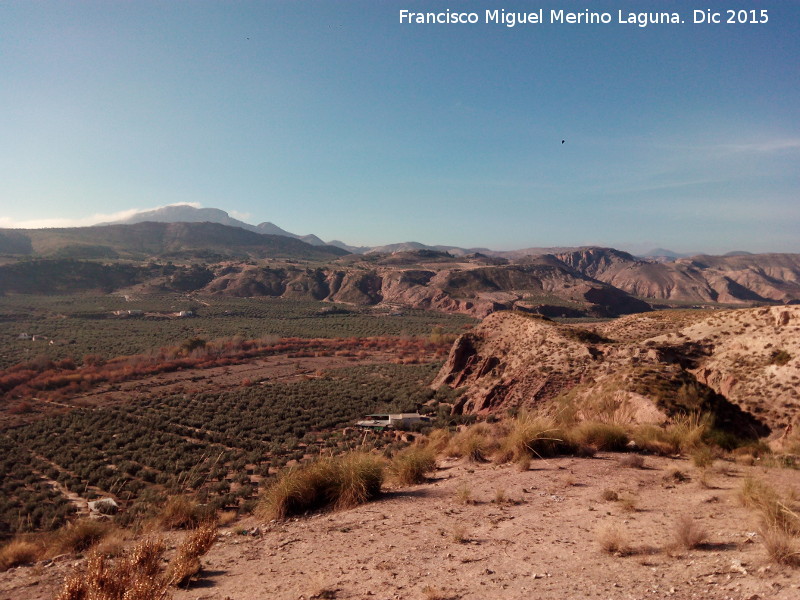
(742,365)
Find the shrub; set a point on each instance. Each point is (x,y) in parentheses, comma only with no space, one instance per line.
(19,552)
(181,512)
(657,440)
(774,510)
(136,576)
(609,495)
(337,483)
(459,535)
(534,436)
(612,540)
(689,533)
(475,442)
(186,562)
(781,546)
(632,461)
(438,439)
(609,437)
(412,464)
(691,429)
(702,457)
(79,536)
(464,494)
(780,357)
(629,502)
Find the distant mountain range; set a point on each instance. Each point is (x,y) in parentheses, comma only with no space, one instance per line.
(219,258)
(142,240)
(186,213)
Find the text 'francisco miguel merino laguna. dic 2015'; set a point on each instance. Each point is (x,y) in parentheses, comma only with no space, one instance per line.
(510,19)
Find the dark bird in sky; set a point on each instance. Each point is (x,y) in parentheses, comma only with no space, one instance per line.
(562,141)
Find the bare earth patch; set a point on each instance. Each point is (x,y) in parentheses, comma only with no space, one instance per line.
(532,534)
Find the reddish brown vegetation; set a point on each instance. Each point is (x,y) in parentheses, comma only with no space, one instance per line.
(63,379)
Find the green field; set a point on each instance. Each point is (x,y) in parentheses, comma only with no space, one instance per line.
(218,445)
(80,325)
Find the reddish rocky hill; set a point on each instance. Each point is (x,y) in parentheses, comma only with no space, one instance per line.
(742,365)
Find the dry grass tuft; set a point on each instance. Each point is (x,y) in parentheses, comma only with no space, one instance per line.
(609,495)
(476,443)
(181,512)
(782,547)
(136,576)
(79,536)
(613,541)
(780,522)
(629,502)
(339,482)
(186,562)
(533,435)
(702,457)
(459,534)
(608,437)
(655,440)
(689,534)
(412,464)
(464,494)
(631,461)
(438,439)
(675,475)
(19,552)
(433,593)
(774,510)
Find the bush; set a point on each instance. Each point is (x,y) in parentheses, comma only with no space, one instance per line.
(476,443)
(702,457)
(775,510)
(613,541)
(607,437)
(340,482)
(80,535)
(186,562)
(136,576)
(534,436)
(780,357)
(411,465)
(19,552)
(632,461)
(656,440)
(688,533)
(181,512)
(782,547)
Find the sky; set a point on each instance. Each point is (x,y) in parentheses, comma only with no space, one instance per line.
(332,117)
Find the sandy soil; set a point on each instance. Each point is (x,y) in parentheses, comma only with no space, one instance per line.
(541,541)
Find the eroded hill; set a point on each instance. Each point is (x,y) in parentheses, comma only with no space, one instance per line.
(742,365)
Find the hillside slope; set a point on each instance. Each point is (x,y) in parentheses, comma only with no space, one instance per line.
(742,365)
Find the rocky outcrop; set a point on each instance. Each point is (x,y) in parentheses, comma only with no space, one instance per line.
(702,279)
(742,365)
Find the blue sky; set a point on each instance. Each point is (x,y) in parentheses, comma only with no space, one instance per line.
(333,118)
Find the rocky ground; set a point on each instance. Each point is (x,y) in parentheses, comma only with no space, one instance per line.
(478,531)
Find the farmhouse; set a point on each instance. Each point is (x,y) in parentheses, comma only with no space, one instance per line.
(391,421)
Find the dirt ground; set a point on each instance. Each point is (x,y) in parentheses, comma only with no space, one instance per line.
(532,534)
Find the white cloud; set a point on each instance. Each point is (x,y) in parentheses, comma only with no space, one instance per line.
(94,219)
(242,216)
